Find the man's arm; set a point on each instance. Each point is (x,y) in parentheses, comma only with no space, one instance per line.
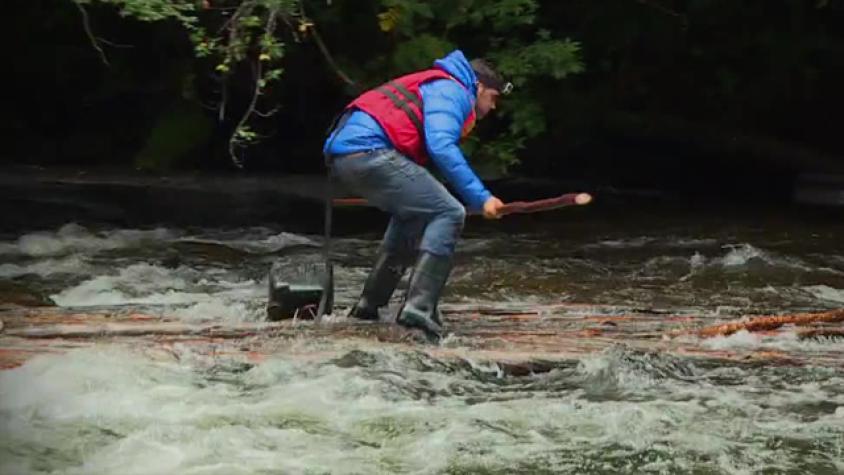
(446,107)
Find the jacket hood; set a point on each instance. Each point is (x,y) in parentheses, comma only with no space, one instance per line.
(456,64)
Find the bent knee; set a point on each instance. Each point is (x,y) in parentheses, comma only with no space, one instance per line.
(456,212)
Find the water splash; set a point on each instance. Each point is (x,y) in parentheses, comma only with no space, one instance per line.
(72,238)
(370,410)
(194,294)
(71,265)
(826,292)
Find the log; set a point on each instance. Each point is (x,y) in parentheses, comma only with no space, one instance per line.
(145,329)
(771,322)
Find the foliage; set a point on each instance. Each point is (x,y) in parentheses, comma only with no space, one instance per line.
(231,34)
(176,132)
(501,25)
(244,35)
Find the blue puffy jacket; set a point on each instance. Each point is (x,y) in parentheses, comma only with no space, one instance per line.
(446,106)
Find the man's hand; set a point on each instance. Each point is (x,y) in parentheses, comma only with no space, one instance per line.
(492,208)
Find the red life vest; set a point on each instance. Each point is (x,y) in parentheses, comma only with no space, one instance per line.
(397,107)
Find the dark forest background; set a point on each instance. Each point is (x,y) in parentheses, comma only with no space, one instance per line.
(675,94)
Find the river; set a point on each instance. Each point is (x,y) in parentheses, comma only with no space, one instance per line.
(110,409)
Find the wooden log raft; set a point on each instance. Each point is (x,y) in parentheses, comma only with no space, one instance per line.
(520,340)
(132,328)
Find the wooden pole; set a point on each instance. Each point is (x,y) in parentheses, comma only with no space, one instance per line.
(514,207)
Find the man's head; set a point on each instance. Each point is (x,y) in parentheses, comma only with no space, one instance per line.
(490,86)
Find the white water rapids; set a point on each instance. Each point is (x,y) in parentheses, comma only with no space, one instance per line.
(113,409)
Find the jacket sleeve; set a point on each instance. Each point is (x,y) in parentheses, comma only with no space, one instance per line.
(446,107)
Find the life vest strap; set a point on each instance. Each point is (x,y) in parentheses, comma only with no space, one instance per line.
(406,93)
(403,105)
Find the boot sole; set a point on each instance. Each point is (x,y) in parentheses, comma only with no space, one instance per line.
(433,334)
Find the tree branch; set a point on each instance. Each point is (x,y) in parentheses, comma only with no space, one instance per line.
(231,25)
(266,114)
(233,141)
(113,44)
(87,25)
(324,50)
(342,75)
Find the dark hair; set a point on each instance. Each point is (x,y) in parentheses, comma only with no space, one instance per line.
(487,75)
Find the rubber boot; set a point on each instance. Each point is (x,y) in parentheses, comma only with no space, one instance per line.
(380,285)
(426,285)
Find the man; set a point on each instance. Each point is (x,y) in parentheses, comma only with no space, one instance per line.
(379,150)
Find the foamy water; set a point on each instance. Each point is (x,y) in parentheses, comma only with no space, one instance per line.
(109,410)
(210,275)
(73,238)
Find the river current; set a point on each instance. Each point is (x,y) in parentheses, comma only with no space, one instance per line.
(110,409)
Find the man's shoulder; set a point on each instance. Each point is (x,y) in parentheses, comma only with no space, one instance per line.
(446,88)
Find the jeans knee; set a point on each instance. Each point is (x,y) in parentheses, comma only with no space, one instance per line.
(457,213)
(456,218)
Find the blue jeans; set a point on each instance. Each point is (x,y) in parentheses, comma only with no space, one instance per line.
(425,216)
